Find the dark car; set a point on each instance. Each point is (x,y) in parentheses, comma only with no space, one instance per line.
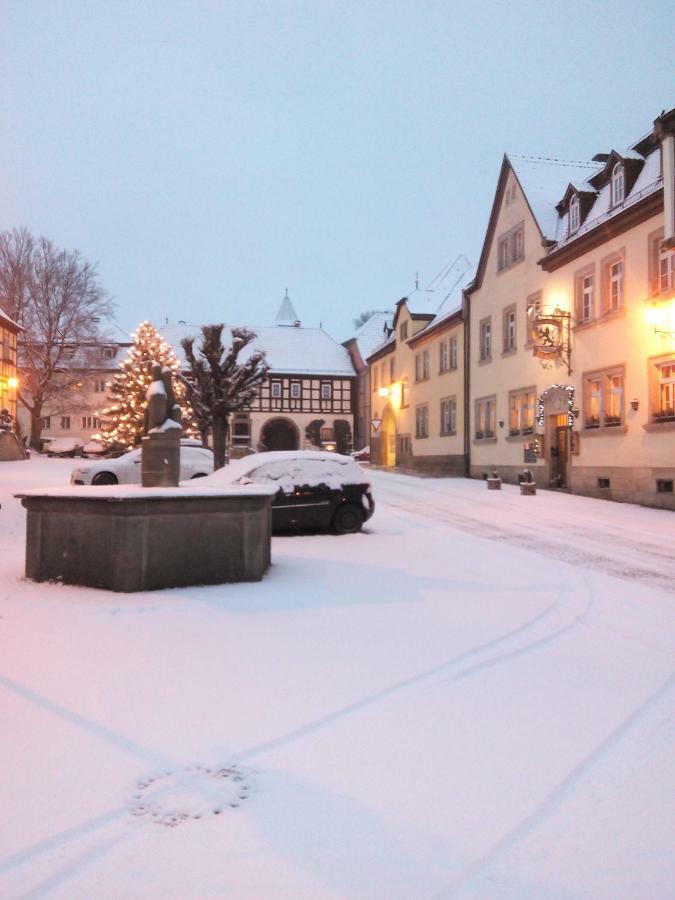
(316,490)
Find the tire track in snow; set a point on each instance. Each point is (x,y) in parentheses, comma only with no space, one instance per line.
(414,680)
(558,795)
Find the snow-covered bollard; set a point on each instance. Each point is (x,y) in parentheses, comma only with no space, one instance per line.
(528,486)
(494,482)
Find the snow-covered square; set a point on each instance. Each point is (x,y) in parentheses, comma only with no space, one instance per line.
(472,698)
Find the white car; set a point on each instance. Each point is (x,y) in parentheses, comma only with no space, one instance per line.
(195,462)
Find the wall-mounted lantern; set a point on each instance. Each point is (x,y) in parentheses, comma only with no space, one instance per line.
(635,405)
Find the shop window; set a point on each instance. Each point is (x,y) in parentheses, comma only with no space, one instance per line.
(521,411)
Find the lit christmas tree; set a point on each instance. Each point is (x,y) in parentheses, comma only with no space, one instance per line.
(122,420)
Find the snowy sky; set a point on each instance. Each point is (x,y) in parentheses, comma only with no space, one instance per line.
(211,154)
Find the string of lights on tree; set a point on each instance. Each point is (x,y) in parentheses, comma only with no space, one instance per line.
(570,403)
(122,419)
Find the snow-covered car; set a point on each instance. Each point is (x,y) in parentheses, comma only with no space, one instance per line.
(362,455)
(195,462)
(316,489)
(64,446)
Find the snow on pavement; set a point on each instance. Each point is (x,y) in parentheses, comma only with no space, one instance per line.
(459,702)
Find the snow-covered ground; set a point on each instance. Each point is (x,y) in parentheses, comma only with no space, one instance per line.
(473,698)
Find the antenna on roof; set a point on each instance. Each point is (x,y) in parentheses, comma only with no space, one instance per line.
(417,281)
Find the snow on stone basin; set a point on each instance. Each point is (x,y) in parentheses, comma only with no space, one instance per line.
(473,698)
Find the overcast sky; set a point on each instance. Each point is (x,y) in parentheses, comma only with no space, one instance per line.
(210,154)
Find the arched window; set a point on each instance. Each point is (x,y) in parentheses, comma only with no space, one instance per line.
(618,184)
(575,220)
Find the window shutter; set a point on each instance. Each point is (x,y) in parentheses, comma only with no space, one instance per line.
(654,244)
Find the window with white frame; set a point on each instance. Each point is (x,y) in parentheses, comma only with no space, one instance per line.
(485,417)
(584,289)
(663,405)
(65,423)
(604,398)
(575,215)
(108,352)
(405,393)
(448,415)
(618,184)
(443,356)
(296,390)
(275,389)
(453,351)
(485,340)
(91,422)
(521,411)
(612,284)
(326,390)
(666,270)
(509,329)
(422,421)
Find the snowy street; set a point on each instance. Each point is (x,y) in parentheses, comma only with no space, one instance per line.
(474,698)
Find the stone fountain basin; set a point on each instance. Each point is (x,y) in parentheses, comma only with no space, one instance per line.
(130,538)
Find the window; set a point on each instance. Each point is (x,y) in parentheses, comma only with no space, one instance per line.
(511,247)
(603,399)
(666,270)
(391,370)
(296,390)
(612,284)
(108,352)
(46,423)
(275,389)
(241,430)
(403,331)
(663,404)
(618,185)
(448,415)
(509,329)
(521,411)
(443,357)
(326,433)
(422,365)
(485,340)
(65,423)
(99,386)
(453,352)
(485,418)
(91,422)
(575,215)
(326,390)
(422,421)
(405,393)
(583,292)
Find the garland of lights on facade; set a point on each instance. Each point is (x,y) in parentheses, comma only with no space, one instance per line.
(570,403)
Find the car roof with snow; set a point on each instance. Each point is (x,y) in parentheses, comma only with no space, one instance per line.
(306,467)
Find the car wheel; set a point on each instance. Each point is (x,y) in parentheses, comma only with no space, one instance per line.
(104,478)
(348,519)
(198,475)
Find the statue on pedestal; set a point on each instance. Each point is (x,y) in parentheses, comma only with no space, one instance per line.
(160,447)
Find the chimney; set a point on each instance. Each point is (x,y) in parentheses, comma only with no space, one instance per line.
(664,131)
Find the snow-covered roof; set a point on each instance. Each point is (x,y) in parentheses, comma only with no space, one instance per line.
(649,180)
(371,334)
(297,351)
(287,314)
(544,183)
(7,320)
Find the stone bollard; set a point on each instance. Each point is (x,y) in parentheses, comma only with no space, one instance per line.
(494,482)
(528,486)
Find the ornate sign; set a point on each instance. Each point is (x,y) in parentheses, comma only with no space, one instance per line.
(549,334)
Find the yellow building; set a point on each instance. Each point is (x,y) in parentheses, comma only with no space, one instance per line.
(8,374)
(571,366)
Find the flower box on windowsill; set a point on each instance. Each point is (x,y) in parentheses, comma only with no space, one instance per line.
(529,430)
(514,431)
(592,423)
(612,420)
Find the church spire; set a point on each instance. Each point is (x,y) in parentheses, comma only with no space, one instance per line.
(287,314)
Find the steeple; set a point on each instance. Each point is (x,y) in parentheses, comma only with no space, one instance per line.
(287,314)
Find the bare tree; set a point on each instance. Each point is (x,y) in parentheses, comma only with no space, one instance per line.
(56,296)
(217,384)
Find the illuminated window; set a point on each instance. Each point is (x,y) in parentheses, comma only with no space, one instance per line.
(521,411)
(604,399)
(575,215)
(485,417)
(664,409)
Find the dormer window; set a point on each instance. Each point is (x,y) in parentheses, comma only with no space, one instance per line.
(575,215)
(618,184)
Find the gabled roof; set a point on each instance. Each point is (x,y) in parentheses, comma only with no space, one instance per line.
(8,322)
(373,331)
(293,351)
(630,158)
(286,314)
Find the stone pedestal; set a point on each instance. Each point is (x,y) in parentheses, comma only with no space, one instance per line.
(160,458)
(494,484)
(143,539)
(10,447)
(528,488)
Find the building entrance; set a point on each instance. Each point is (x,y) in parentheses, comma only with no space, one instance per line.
(559,452)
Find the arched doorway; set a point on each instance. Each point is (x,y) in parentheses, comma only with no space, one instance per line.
(388,438)
(279,434)
(556,403)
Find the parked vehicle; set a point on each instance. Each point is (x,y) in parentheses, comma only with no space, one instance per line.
(64,447)
(195,462)
(316,489)
(362,455)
